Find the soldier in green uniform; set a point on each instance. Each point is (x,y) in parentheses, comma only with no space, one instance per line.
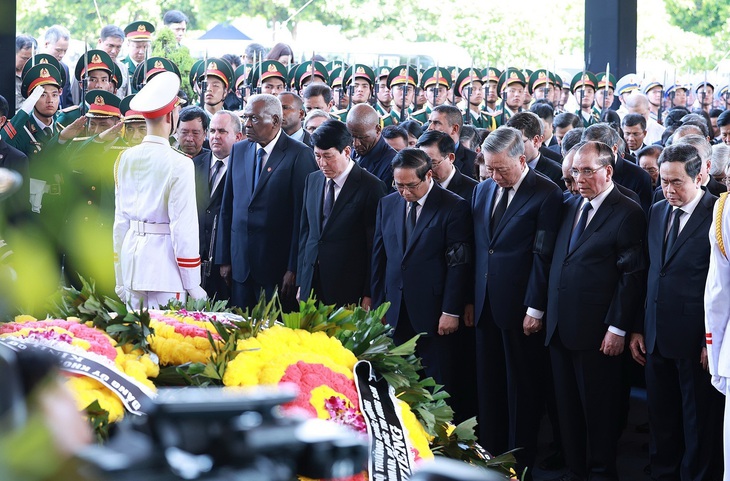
(583,87)
(308,72)
(605,91)
(339,93)
(217,76)
(470,85)
(490,81)
(359,86)
(151,67)
(139,43)
(540,85)
(435,82)
(511,87)
(384,99)
(269,77)
(402,82)
(95,69)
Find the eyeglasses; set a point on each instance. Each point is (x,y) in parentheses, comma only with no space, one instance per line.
(408,187)
(587,173)
(436,163)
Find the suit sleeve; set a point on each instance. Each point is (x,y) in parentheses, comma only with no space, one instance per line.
(223,236)
(717,300)
(303,236)
(380,258)
(631,264)
(548,223)
(184,230)
(458,239)
(304,165)
(369,217)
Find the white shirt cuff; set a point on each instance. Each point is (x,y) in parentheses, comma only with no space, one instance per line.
(617,331)
(452,315)
(535,313)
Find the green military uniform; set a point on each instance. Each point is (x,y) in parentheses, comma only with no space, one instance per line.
(467,80)
(509,77)
(491,75)
(603,83)
(151,67)
(581,81)
(307,72)
(97,60)
(401,75)
(139,31)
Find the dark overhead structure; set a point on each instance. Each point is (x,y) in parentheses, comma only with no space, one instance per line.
(610,36)
(8,12)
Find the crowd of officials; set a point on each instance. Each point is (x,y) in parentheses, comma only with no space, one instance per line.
(542,254)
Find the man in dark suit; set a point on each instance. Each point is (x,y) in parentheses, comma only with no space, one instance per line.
(596,286)
(625,173)
(448,119)
(258,229)
(440,148)
(210,179)
(421,263)
(516,216)
(529,125)
(372,152)
(683,405)
(338,222)
(293,107)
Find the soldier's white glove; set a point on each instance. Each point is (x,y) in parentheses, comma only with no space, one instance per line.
(720,383)
(197,292)
(121,293)
(32,99)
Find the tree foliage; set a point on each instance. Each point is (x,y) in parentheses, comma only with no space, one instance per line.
(703,17)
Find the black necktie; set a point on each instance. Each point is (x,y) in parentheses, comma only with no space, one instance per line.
(411,221)
(216,168)
(257,168)
(329,201)
(580,226)
(673,233)
(500,209)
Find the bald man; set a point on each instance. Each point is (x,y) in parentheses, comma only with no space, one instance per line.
(372,152)
(639,104)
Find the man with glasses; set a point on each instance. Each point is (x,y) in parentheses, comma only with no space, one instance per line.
(448,119)
(597,282)
(440,148)
(421,252)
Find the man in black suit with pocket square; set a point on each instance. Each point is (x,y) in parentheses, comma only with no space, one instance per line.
(338,222)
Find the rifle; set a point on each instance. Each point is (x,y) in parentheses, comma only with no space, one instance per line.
(582,89)
(208,263)
(504,96)
(486,90)
(438,83)
(204,80)
(468,93)
(260,83)
(661,101)
(351,90)
(605,94)
(85,79)
(405,89)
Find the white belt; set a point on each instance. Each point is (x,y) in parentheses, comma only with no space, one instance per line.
(144,228)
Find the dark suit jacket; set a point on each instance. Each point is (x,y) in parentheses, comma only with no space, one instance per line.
(464,160)
(377,161)
(713,187)
(342,250)
(17,206)
(674,319)
(628,193)
(601,283)
(307,139)
(551,154)
(551,169)
(66,96)
(258,230)
(419,274)
(209,206)
(635,178)
(512,266)
(462,186)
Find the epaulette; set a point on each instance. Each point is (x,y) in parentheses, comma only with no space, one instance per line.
(181,152)
(10,130)
(419,112)
(70,109)
(416,120)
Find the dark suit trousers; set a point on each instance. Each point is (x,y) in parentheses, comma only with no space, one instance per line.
(685,413)
(587,387)
(246,294)
(438,353)
(511,370)
(215,286)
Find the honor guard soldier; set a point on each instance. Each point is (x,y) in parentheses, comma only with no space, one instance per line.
(625,86)
(605,89)
(705,93)
(383,95)
(358,92)
(402,84)
(677,95)
(154,205)
(135,127)
(435,83)
(139,42)
(453,97)
(269,77)
(470,85)
(309,72)
(490,81)
(339,93)
(654,90)
(150,68)
(94,70)
(511,87)
(526,97)
(217,77)
(241,85)
(195,72)
(583,87)
(540,84)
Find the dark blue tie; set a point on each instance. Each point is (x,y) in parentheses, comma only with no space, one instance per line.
(329,201)
(257,168)
(580,226)
(500,209)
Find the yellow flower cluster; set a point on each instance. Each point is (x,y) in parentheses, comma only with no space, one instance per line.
(178,339)
(264,358)
(418,436)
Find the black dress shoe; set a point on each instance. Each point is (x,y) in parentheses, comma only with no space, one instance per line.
(553,462)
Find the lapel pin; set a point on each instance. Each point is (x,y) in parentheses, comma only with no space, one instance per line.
(268,170)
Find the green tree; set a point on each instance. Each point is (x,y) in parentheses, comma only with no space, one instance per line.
(165,45)
(703,17)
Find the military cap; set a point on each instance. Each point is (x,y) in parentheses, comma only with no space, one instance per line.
(40,74)
(102,104)
(429,77)
(219,68)
(528,73)
(44,58)
(649,84)
(491,74)
(269,69)
(195,71)
(117,77)
(139,31)
(335,80)
(453,73)
(97,60)
(602,81)
(559,81)
(154,66)
(158,96)
(129,114)
(510,76)
(722,91)
(241,75)
(382,71)
(466,77)
(583,79)
(333,64)
(674,88)
(361,71)
(628,83)
(403,74)
(539,79)
(304,71)
(702,84)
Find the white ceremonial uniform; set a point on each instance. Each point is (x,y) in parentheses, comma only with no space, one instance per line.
(155,224)
(717,313)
